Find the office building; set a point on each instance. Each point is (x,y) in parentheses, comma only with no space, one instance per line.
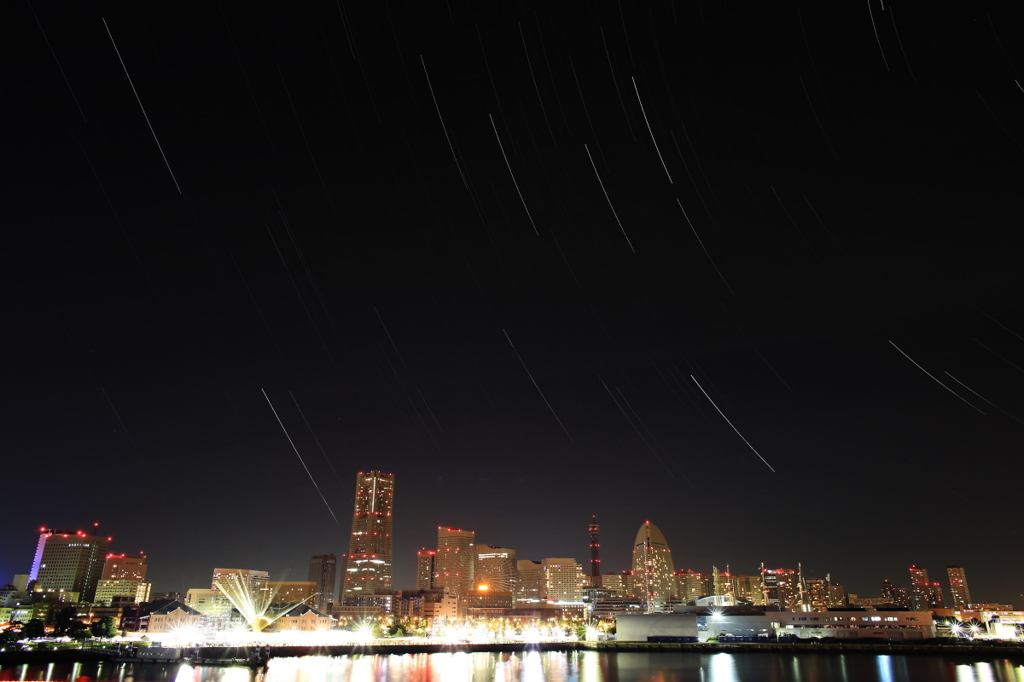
(69,560)
(691,586)
(749,589)
(780,588)
(563,580)
(454,564)
(368,564)
(921,592)
(495,568)
(653,569)
(323,570)
(425,569)
(531,581)
(958,587)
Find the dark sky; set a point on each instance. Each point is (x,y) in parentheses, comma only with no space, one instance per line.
(332,246)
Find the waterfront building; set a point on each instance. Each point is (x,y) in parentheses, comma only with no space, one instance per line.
(425,569)
(958,587)
(495,568)
(303,618)
(69,560)
(780,588)
(209,602)
(691,586)
(531,581)
(749,588)
(323,570)
(368,563)
(920,588)
(563,580)
(815,594)
(653,569)
(171,617)
(455,562)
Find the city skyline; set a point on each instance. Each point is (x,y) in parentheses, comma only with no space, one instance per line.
(743,270)
(494,568)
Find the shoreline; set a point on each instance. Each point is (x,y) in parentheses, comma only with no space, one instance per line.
(250,655)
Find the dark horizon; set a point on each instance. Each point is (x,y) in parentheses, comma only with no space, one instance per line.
(485,283)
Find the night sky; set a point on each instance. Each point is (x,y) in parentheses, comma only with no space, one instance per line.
(851,178)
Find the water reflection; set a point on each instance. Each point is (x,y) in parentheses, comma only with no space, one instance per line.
(535,666)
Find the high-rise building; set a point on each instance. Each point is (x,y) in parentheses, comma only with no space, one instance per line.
(368,564)
(595,553)
(691,586)
(123,580)
(780,588)
(563,580)
(531,580)
(496,568)
(425,569)
(935,598)
(816,595)
(323,570)
(749,589)
(455,561)
(125,567)
(958,587)
(920,589)
(653,570)
(69,560)
(723,582)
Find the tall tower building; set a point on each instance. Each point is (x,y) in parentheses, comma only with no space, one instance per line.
(958,587)
(691,586)
(496,568)
(920,589)
(69,560)
(425,569)
(368,564)
(455,561)
(653,570)
(595,553)
(323,570)
(125,567)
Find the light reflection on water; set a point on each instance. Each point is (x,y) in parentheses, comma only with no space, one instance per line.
(534,666)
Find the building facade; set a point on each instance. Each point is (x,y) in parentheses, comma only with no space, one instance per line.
(958,587)
(323,570)
(69,560)
(368,564)
(455,561)
(495,568)
(563,580)
(653,569)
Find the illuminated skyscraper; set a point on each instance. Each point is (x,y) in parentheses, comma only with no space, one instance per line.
(749,589)
(958,587)
(653,570)
(920,589)
(368,564)
(69,560)
(125,567)
(531,580)
(425,569)
(780,588)
(455,560)
(692,585)
(323,570)
(595,553)
(496,568)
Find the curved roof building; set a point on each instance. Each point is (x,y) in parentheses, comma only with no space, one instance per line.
(653,569)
